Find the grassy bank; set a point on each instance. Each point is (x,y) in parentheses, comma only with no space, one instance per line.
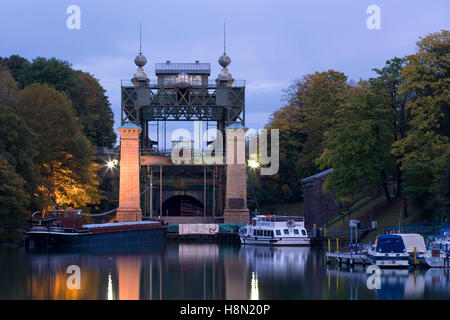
(380,210)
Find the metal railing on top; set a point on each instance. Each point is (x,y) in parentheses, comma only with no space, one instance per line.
(154,83)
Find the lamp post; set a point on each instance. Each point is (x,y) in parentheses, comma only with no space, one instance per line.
(253,164)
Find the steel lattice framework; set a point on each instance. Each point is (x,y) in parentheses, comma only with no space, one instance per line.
(225,105)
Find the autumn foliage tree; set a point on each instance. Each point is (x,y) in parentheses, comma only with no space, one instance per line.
(65,156)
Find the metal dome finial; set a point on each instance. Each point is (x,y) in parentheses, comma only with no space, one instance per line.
(224,60)
(140,59)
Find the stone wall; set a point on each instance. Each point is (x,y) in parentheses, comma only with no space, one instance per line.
(319,207)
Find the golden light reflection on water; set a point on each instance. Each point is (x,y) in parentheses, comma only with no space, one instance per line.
(110,287)
(129,273)
(49,281)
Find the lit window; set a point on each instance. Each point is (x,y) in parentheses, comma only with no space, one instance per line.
(195,80)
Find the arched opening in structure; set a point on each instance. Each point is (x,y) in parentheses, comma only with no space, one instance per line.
(182,205)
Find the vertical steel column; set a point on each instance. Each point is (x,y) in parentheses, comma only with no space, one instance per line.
(214,193)
(204,191)
(157,135)
(160,192)
(151,191)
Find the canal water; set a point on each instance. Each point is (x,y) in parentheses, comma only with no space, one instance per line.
(205,271)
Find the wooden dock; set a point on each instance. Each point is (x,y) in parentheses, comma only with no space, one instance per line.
(347,258)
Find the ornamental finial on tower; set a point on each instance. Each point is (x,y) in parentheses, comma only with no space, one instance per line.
(224,77)
(140,77)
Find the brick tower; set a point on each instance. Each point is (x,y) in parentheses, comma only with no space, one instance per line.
(236,184)
(129,198)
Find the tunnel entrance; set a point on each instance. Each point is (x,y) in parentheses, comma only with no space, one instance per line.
(182,205)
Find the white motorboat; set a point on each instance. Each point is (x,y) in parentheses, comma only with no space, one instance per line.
(389,251)
(438,255)
(275,230)
(415,246)
(436,258)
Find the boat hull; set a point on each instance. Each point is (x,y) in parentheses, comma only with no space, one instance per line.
(100,240)
(389,261)
(440,260)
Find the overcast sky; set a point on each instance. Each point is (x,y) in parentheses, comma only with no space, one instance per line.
(271,43)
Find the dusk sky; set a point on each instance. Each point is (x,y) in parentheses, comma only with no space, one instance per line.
(271,43)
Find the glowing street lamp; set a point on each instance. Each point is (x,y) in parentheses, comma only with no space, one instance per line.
(253,164)
(111,164)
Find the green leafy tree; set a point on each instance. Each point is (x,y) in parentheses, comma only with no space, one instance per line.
(20,69)
(317,95)
(86,94)
(387,84)
(18,146)
(94,110)
(358,147)
(309,113)
(288,120)
(444,191)
(425,150)
(13,201)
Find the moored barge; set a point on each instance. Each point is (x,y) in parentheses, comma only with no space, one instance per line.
(67,230)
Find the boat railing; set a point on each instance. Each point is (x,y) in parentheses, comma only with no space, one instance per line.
(274,218)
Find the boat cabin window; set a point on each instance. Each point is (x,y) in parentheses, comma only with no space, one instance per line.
(390,245)
(253,222)
(266,233)
(303,232)
(295,231)
(286,231)
(278,232)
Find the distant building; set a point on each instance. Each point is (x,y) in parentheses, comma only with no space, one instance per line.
(319,207)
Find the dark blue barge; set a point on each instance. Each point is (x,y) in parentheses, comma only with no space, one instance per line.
(68,231)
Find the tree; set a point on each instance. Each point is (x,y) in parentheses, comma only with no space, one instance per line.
(309,113)
(288,120)
(386,85)
(13,201)
(444,191)
(18,146)
(94,110)
(65,155)
(425,150)
(358,147)
(8,87)
(86,94)
(317,95)
(20,69)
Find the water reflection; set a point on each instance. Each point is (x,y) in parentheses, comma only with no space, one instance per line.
(394,283)
(129,275)
(207,271)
